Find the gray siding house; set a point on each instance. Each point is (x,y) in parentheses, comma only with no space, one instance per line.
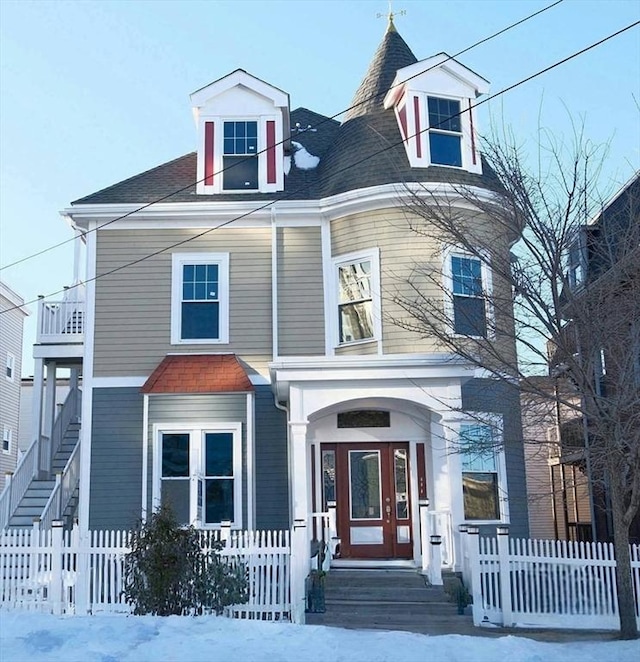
(12,314)
(240,355)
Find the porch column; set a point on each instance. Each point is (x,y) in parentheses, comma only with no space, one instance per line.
(36,404)
(299,455)
(50,398)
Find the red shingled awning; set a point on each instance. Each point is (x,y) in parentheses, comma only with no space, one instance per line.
(198,373)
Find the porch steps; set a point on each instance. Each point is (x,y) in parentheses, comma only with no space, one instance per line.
(39,491)
(385,599)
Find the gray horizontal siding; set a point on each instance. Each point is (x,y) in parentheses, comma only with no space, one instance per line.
(300,292)
(192,409)
(133,305)
(115,500)
(484,395)
(271,463)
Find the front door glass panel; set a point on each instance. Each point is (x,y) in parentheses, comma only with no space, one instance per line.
(401,482)
(364,478)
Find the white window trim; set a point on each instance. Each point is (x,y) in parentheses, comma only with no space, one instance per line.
(10,364)
(7,437)
(196,432)
(218,154)
(487,289)
(495,421)
(373,255)
(177,262)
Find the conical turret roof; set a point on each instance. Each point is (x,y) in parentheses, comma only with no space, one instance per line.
(392,54)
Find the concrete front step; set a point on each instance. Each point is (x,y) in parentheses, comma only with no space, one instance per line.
(387,599)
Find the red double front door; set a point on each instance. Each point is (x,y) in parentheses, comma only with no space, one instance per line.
(371,483)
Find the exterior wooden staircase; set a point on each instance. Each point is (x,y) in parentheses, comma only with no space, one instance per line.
(35,499)
(385,599)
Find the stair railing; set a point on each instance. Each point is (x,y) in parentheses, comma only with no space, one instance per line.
(67,413)
(66,483)
(17,484)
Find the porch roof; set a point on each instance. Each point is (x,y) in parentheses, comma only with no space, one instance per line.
(198,373)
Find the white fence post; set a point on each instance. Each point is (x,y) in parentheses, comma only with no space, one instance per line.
(505,576)
(299,569)
(333,528)
(225,532)
(464,553)
(435,567)
(56,567)
(473,549)
(424,534)
(82,570)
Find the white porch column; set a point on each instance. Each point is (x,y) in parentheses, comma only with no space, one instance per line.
(299,458)
(37,404)
(50,398)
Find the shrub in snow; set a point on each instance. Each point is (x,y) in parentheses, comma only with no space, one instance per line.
(167,571)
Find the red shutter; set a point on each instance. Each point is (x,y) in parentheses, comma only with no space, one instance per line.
(402,114)
(418,136)
(208,153)
(271,152)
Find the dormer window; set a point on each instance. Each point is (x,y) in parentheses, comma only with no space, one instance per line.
(240,159)
(243,124)
(445,132)
(434,104)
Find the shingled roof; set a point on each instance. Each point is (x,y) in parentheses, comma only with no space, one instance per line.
(198,373)
(365,150)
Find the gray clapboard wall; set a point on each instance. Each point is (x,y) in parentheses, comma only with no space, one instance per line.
(271,463)
(115,500)
(484,395)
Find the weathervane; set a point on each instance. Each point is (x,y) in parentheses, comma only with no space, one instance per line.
(391,14)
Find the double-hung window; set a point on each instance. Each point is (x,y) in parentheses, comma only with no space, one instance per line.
(10,367)
(200,474)
(357,282)
(469,312)
(445,132)
(240,160)
(479,472)
(200,298)
(7,434)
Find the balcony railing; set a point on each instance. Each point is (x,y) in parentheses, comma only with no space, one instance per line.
(60,322)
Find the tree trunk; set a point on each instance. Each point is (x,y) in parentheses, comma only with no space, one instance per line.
(624,579)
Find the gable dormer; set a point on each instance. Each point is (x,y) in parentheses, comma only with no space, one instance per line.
(433,103)
(242,122)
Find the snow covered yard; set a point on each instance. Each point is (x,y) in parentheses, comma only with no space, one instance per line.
(118,638)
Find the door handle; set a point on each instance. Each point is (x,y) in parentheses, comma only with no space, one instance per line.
(388,509)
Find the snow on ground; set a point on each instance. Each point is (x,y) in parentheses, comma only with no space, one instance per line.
(27,637)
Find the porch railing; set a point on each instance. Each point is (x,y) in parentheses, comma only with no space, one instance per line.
(17,483)
(66,483)
(61,321)
(68,412)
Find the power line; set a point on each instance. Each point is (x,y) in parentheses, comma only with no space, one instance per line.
(333,174)
(324,121)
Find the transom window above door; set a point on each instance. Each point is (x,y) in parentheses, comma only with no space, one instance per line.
(357,291)
(200,298)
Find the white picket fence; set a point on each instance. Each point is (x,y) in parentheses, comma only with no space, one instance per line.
(545,583)
(61,572)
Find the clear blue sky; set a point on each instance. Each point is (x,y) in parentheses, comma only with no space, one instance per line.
(93,92)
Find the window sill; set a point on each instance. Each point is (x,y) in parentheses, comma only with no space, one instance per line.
(486,522)
(204,341)
(354,343)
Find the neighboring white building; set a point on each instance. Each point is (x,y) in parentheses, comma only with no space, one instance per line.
(12,314)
